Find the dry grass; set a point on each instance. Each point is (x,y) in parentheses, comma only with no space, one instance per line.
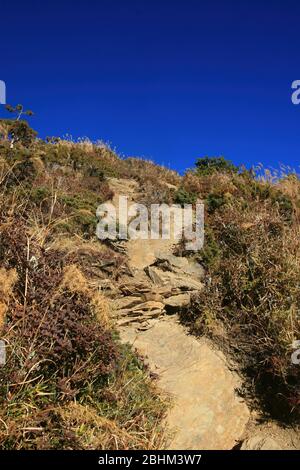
(97,393)
(251,304)
(68,382)
(95,431)
(8,279)
(74,281)
(146,170)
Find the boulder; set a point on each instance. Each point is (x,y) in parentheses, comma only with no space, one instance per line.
(177,301)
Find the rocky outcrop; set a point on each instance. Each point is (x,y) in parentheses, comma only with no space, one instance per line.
(206,411)
(135,310)
(177,301)
(177,264)
(164,287)
(181,282)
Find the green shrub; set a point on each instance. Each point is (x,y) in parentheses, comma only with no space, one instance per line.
(214,202)
(184,197)
(209,165)
(210,253)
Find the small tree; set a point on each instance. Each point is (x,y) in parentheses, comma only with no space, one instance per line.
(18,111)
(19,130)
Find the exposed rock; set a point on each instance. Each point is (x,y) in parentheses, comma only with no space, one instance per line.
(143,253)
(135,287)
(177,301)
(150,309)
(180,265)
(150,297)
(260,442)
(206,412)
(173,280)
(153,296)
(140,313)
(167,291)
(127,302)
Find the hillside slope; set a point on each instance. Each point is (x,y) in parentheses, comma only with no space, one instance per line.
(68,381)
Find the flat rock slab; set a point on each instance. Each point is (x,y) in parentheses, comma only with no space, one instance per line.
(143,253)
(172,280)
(206,413)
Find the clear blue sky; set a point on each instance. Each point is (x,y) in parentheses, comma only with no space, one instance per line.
(168,80)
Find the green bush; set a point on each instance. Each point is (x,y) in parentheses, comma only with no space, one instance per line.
(209,165)
(211,251)
(182,196)
(214,202)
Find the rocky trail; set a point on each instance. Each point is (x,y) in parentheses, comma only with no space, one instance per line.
(206,411)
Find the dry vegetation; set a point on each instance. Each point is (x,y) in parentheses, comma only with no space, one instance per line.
(251,302)
(68,382)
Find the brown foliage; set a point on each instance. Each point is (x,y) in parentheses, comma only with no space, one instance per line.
(251,304)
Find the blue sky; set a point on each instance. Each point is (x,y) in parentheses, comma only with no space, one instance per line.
(167,80)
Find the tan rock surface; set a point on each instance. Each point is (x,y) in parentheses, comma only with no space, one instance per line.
(206,412)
